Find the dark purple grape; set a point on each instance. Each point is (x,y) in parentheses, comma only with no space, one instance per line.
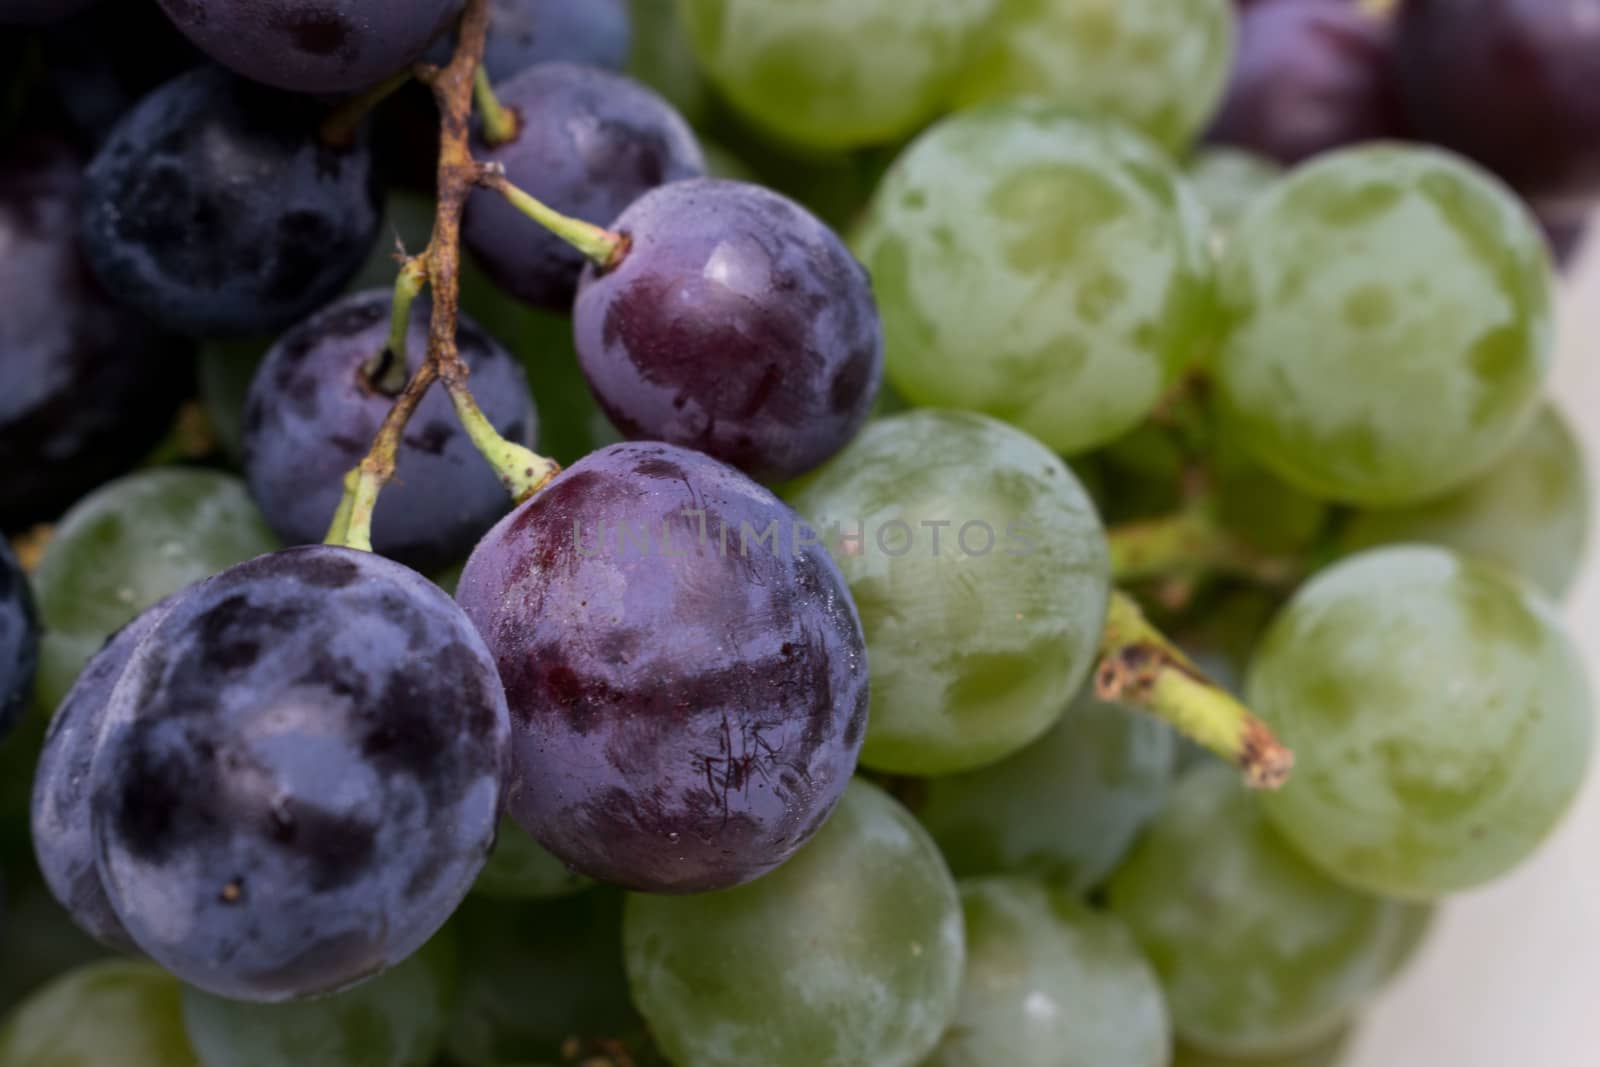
(588,143)
(38,12)
(1515,84)
(596,33)
(312,413)
(86,387)
(96,77)
(214,209)
(313,46)
(19,640)
(1566,226)
(1309,76)
(299,775)
(63,840)
(737,324)
(688,699)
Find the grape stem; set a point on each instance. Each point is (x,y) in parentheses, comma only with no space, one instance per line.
(1189,544)
(1140,667)
(500,123)
(599,245)
(439,267)
(339,128)
(386,370)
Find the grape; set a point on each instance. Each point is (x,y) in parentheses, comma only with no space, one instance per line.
(395,1020)
(1050,983)
(1158,65)
(312,46)
(588,144)
(535,974)
(19,639)
(979,644)
(116,1012)
(737,324)
(684,667)
(1042,267)
(1310,76)
(1259,952)
(213,208)
(36,12)
(521,869)
(63,839)
(1440,716)
(1511,83)
(522,33)
(1389,319)
(1066,808)
(849,954)
(1227,182)
(303,761)
(1566,226)
(834,73)
(1329,1053)
(85,387)
(134,542)
(317,402)
(1529,512)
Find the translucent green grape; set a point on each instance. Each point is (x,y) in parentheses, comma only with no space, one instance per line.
(834,73)
(118,1012)
(128,545)
(522,869)
(394,1020)
(849,954)
(1440,715)
(1529,512)
(1329,1053)
(1066,808)
(1389,324)
(1259,952)
(1046,268)
(1159,65)
(978,640)
(1050,983)
(1228,181)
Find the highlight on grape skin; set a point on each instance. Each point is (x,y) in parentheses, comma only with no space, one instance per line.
(762,533)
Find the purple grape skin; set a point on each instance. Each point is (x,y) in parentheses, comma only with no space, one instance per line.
(683,720)
(19,640)
(214,208)
(86,386)
(313,46)
(589,143)
(596,33)
(38,12)
(1310,76)
(311,415)
(299,775)
(63,841)
(737,324)
(1515,84)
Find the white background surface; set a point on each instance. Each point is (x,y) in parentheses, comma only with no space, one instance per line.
(1511,974)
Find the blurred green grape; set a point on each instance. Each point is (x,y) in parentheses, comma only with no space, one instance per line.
(1228,181)
(1050,983)
(978,640)
(1389,325)
(1066,808)
(1260,953)
(1159,65)
(394,1020)
(1049,269)
(1529,512)
(112,1014)
(834,73)
(522,869)
(1329,1053)
(1440,717)
(849,954)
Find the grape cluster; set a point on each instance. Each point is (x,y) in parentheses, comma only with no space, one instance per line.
(1043,547)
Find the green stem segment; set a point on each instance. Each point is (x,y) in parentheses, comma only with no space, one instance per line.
(499,122)
(1189,544)
(600,246)
(339,128)
(522,471)
(1140,667)
(387,371)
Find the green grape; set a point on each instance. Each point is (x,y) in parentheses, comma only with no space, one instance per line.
(226,369)
(394,1020)
(1260,953)
(1440,716)
(522,869)
(664,60)
(1261,509)
(834,73)
(128,545)
(979,639)
(536,973)
(1329,1053)
(117,1012)
(1228,181)
(1043,267)
(849,954)
(1529,512)
(1066,808)
(1389,324)
(1158,65)
(1050,983)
